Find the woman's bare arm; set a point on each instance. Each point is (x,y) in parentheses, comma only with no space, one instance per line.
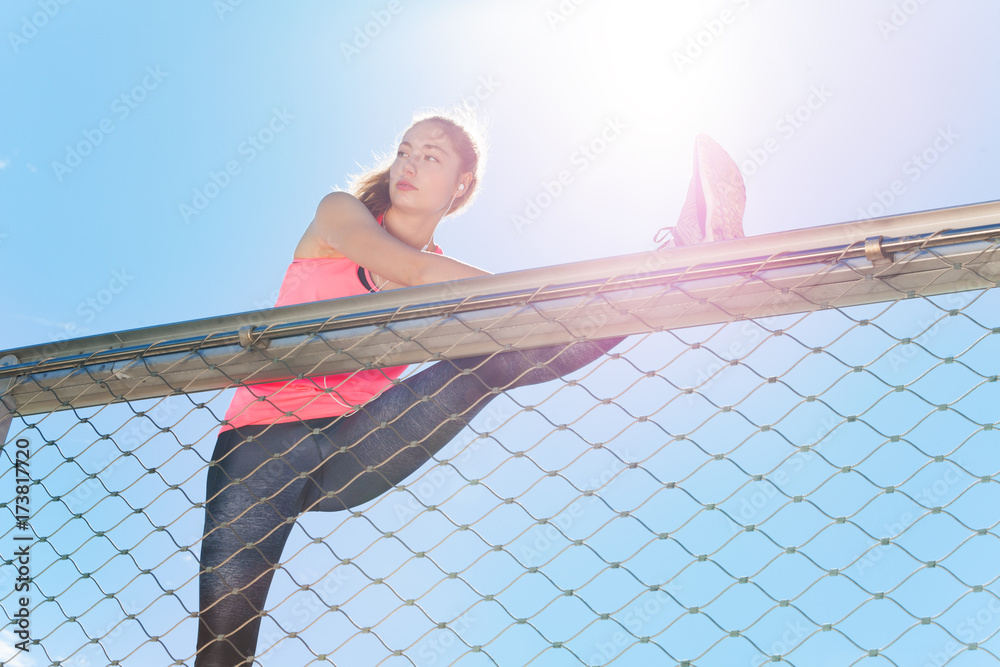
(343,226)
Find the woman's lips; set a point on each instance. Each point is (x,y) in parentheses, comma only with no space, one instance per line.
(405,185)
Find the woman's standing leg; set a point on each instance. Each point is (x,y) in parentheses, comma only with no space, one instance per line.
(253,486)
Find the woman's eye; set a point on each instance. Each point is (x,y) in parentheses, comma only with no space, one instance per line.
(400,154)
(431,157)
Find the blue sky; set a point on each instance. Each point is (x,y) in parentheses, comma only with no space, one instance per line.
(549,81)
(120,119)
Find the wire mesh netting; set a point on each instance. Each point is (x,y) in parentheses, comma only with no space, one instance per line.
(803,471)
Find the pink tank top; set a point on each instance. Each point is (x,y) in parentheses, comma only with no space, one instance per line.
(307,280)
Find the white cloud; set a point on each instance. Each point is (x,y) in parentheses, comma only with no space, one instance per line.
(9,655)
(4,163)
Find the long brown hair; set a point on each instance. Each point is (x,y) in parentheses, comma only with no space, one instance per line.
(372,187)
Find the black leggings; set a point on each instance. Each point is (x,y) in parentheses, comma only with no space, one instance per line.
(262,475)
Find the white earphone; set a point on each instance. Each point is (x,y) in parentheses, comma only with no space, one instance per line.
(461,186)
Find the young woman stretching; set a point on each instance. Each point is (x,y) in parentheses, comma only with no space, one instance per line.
(332,443)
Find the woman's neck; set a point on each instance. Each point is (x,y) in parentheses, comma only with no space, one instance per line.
(414,231)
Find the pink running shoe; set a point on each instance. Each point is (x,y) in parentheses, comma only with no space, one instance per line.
(713,210)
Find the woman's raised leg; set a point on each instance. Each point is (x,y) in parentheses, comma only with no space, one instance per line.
(369,452)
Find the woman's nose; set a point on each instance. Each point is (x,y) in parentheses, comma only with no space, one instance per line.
(409,168)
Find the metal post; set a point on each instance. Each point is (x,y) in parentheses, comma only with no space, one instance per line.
(6,402)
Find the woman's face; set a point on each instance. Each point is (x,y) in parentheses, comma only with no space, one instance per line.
(425,176)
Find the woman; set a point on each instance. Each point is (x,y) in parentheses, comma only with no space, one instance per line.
(335,442)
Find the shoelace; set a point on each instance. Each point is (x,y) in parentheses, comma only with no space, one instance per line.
(664,234)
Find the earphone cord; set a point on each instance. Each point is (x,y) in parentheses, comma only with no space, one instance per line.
(430,243)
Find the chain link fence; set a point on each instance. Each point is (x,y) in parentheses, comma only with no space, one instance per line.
(792,459)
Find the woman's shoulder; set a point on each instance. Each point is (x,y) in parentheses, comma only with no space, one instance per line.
(334,209)
(340,203)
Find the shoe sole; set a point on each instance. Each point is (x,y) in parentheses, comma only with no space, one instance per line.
(726,195)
